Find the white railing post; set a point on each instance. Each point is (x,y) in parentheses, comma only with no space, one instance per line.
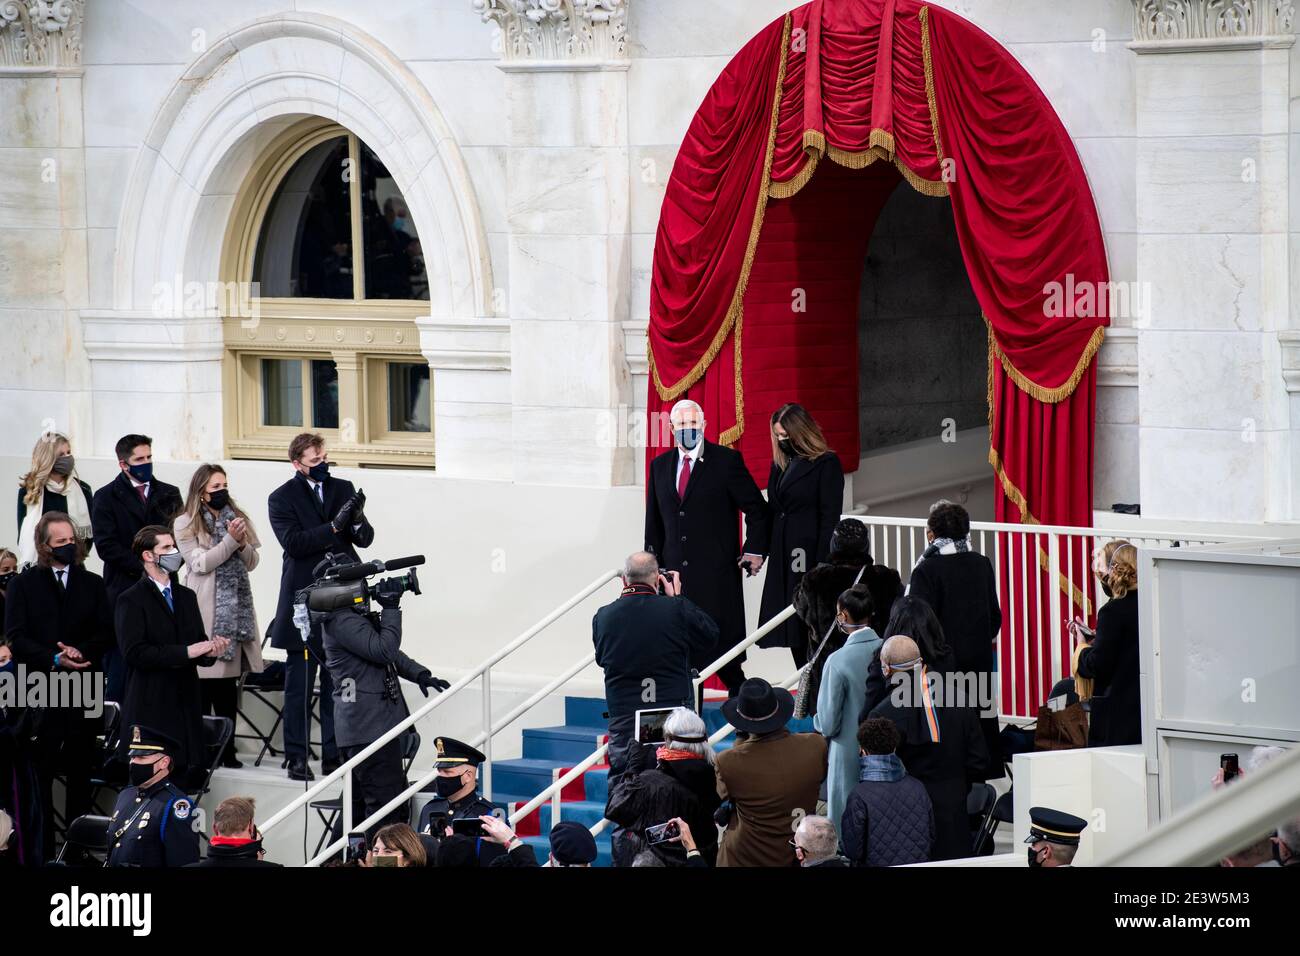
(347,803)
(1054,603)
(487,727)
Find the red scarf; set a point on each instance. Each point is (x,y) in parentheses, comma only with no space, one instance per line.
(219,840)
(671,753)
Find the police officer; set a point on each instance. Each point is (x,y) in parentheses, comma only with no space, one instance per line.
(457,764)
(363,654)
(1054,836)
(151,823)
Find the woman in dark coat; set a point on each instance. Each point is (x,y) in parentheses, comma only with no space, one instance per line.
(163,648)
(816,601)
(1111,658)
(683,783)
(959,585)
(805,490)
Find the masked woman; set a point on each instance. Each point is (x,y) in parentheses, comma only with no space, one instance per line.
(51,484)
(220,549)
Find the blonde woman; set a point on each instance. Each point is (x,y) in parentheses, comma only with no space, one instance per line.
(1110,658)
(51,484)
(220,548)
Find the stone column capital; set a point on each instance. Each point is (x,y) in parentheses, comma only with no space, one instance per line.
(40,35)
(558,33)
(1176,26)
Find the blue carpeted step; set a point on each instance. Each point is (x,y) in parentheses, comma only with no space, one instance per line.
(542,847)
(522,775)
(597,783)
(586,812)
(585,711)
(568,743)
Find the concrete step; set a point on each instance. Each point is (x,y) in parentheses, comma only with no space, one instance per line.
(569,743)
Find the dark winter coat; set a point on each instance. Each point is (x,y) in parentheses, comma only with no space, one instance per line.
(674,788)
(888,822)
(117,514)
(1112,662)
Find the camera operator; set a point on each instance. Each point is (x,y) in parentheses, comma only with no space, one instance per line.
(363,653)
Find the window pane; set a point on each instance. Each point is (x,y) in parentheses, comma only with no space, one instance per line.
(324,394)
(282,392)
(305,245)
(390,245)
(409,408)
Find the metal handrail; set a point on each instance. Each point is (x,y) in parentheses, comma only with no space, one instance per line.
(718,735)
(344,771)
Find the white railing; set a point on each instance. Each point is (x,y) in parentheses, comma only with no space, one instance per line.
(482,740)
(1034,647)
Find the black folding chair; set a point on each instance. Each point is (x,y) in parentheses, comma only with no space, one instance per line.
(1001,812)
(217,732)
(331,809)
(88,835)
(979,805)
(259,687)
(110,773)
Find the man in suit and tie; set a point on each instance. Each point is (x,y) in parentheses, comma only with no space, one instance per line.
(57,619)
(131,501)
(313,515)
(695,494)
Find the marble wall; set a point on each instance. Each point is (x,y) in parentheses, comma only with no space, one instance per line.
(542,170)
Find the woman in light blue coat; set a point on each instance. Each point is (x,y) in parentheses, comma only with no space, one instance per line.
(842,694)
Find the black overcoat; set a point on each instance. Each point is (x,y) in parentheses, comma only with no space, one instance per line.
(116,514)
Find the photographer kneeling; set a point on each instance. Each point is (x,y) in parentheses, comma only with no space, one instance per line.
(363,653)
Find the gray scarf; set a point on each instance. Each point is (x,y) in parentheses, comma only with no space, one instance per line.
(232,616)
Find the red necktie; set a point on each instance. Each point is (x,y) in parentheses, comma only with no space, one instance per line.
(143,498)
(683,478)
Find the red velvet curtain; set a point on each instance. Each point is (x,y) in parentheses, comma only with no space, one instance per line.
(806,129)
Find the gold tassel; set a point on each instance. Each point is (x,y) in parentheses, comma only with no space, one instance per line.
(732,319)
(788,187)
(926,187)
(1041,392)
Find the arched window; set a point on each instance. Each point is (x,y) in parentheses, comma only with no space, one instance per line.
(331,276)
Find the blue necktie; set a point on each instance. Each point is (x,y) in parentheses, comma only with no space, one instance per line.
(167,593)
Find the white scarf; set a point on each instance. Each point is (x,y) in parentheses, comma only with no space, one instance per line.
(78,511)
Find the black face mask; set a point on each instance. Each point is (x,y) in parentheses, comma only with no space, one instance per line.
(6,578)
(141,772)
(1033,858)
(62,465)
(447,787)
(320,471)
(65,554)
(219,499)
(1105,585)
(786,446)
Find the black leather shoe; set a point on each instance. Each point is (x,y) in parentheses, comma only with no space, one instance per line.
(231,761)
(328,766)
(298,770)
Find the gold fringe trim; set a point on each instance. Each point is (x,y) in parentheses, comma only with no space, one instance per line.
(1014,494)
(1040,392)
(732,320)
(880,137)
(730,436)
(787,188)
(1069,590)
(926,187)
(863,159)
(814,139)
(924,17)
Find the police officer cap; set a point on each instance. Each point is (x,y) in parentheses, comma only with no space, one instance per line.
(1054,826)
(145,742)
(572,843)
(453,753)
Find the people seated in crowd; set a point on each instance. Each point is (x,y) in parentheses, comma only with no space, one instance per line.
(216,538)
(940,745)
(767,778)
(235,840)
(51,484)
(888,819)
(960,586)
(681,783)
(517,852)
(816,843)
(816,601)
(1109,658)
(650,634)
(843,690)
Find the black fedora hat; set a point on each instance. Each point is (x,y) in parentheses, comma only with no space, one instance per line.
(759,708)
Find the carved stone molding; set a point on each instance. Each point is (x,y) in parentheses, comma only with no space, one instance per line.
(556,31)
(41,34)
(1172,25)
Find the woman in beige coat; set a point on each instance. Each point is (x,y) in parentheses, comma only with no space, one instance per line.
(220,549)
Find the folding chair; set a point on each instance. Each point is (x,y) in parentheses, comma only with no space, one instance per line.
(258,686)
(331,809)
(89,835)
(217,732)
(980,802)
(1001,812)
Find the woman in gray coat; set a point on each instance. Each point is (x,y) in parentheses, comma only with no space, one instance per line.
(220,549)
(842,694)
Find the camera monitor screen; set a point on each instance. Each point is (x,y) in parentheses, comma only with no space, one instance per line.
(650,724)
